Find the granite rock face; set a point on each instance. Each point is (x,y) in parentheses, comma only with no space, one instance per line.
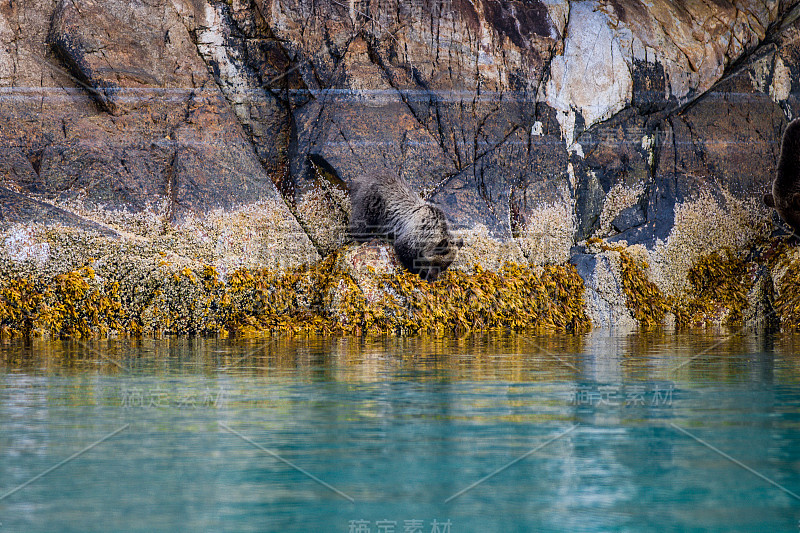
(534,124)
(601,275)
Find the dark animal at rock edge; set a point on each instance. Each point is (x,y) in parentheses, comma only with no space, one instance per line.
(785,195)
(385,206)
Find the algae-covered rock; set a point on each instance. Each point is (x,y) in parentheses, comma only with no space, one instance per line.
(619,291)
(760,311)
(367,264)
(786,274)
(359,290)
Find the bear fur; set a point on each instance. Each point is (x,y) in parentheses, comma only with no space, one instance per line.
(785,195)
(385,206)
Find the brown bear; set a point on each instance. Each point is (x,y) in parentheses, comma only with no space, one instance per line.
(785,195)
(385,206)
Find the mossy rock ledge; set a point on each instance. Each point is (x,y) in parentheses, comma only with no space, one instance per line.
(68,282)
(73,283)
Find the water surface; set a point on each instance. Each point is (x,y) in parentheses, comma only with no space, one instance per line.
(646,432)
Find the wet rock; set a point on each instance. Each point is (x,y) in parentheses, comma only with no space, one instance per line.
(760,312)
(630,217)
(365,263)
(605,300)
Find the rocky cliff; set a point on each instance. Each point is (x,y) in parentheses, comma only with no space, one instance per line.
(150,136)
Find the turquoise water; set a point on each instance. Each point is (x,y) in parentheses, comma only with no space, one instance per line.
(485,433)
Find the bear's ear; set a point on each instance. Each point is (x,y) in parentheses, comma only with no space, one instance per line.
(769,200)
(796,201)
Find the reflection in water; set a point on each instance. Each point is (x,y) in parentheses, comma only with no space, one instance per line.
(403,424)
(600,356)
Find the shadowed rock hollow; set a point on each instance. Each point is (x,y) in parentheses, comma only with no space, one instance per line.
(145,138)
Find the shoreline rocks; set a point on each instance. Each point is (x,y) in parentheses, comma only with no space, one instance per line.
(224,134)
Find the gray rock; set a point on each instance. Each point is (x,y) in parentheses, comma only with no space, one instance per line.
(605,299)
(628,218)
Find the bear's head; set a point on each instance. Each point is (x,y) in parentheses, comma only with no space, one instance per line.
(787,206)
(425,246)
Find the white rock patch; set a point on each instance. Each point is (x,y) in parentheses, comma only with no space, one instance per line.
(20,245)
(591,77)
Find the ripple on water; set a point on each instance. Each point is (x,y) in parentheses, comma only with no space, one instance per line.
(491,432)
